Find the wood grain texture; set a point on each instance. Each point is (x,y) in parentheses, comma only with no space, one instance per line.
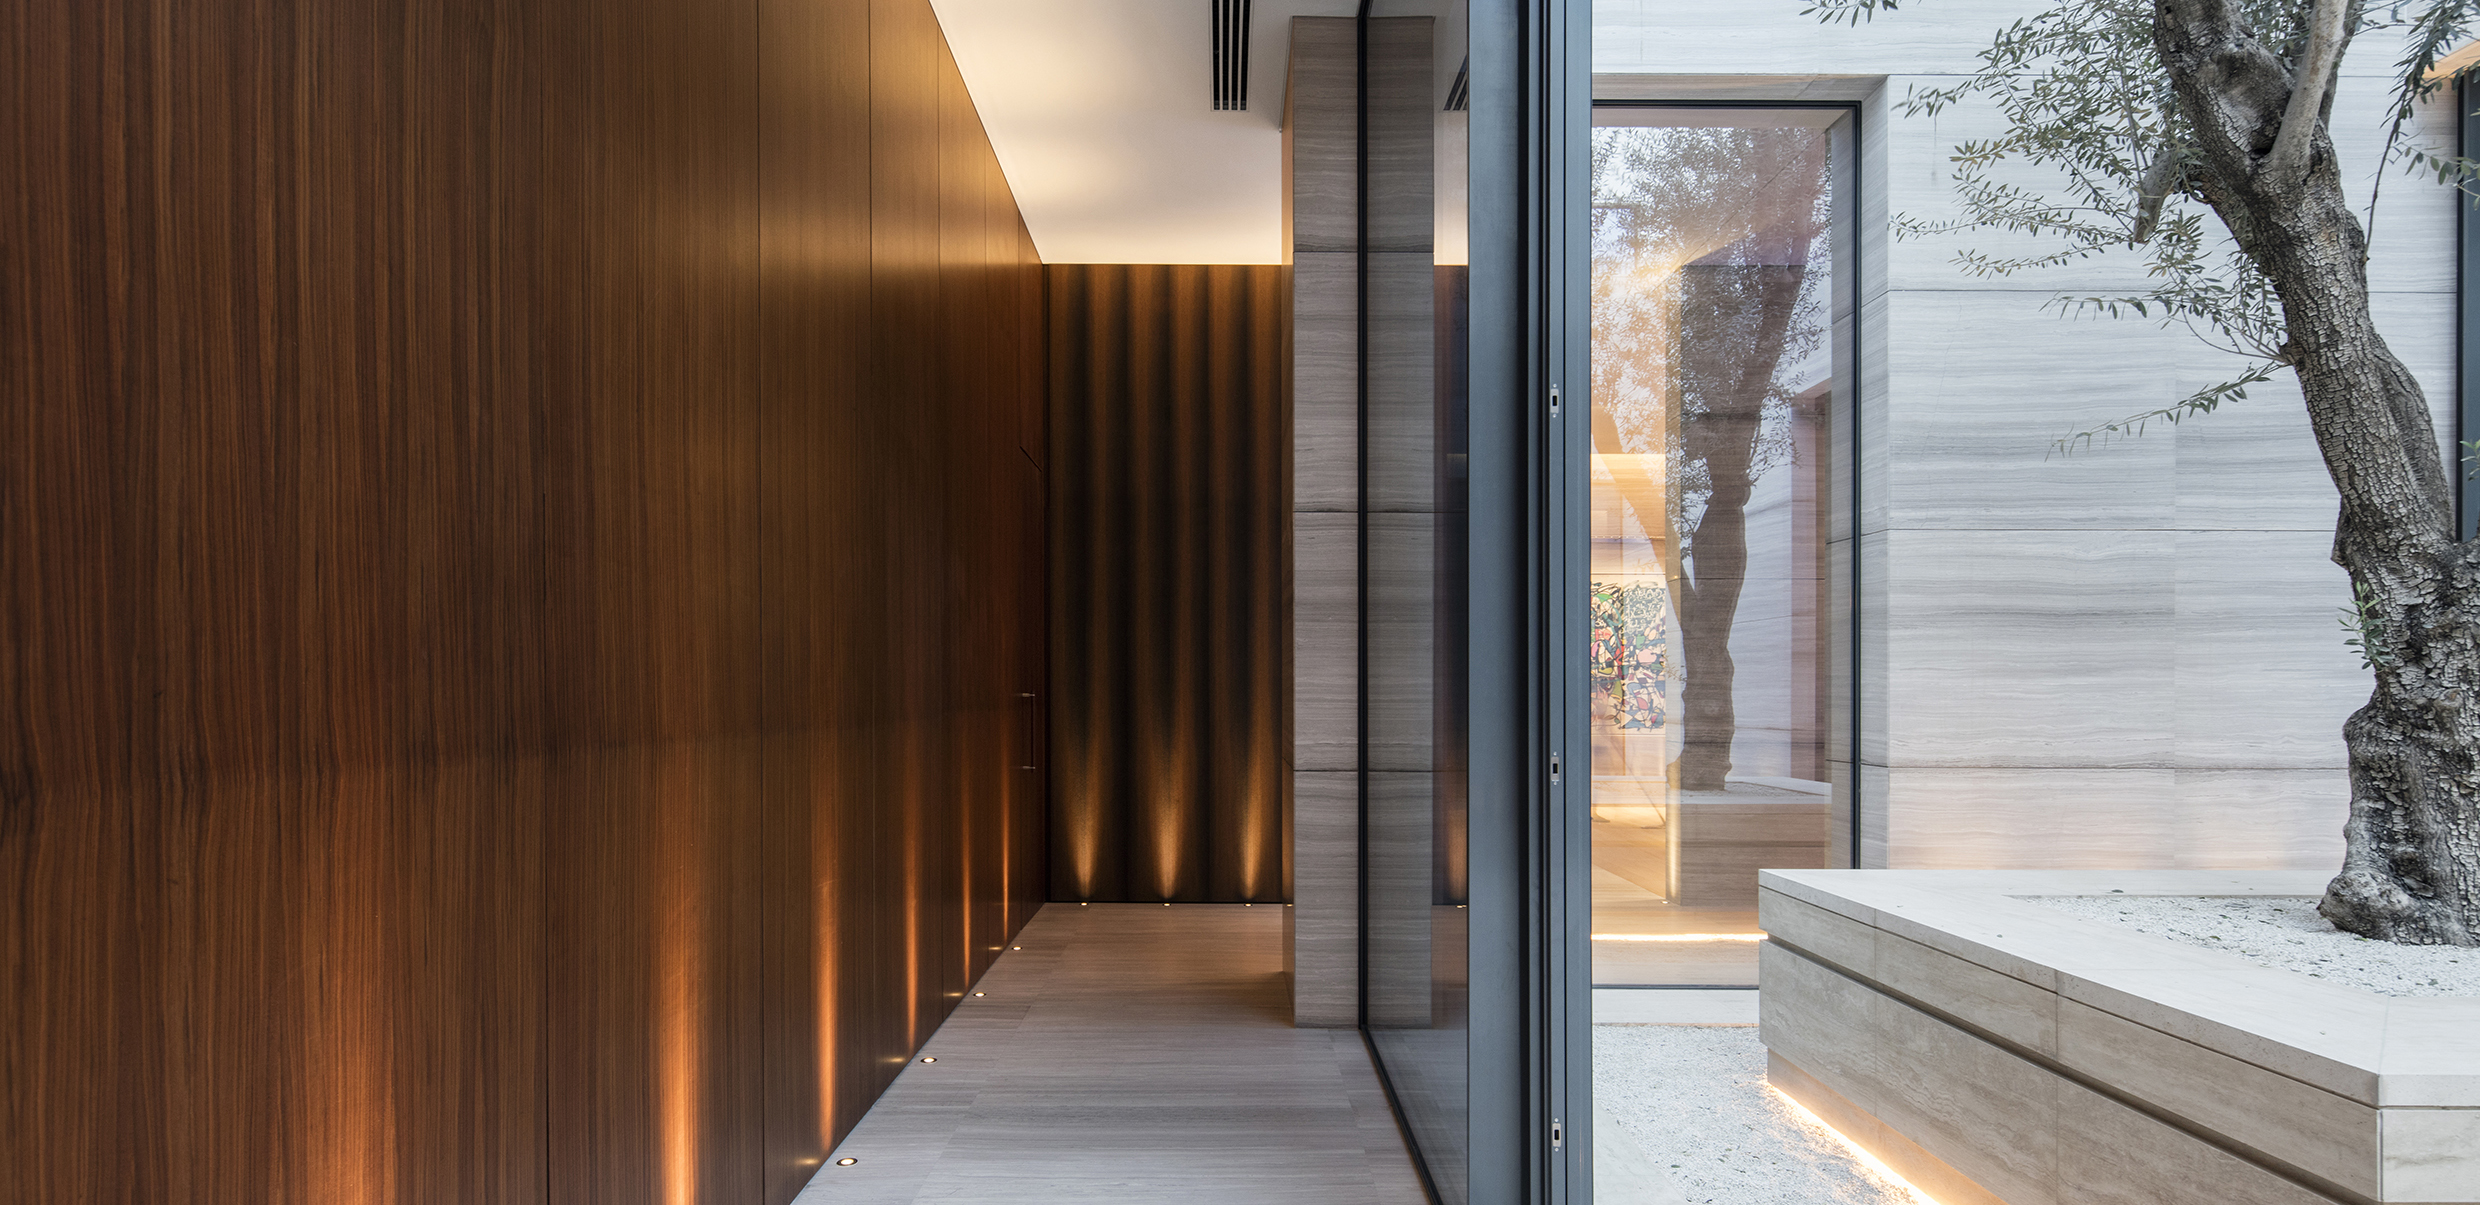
(493,684)
(822,541)
(1170,459)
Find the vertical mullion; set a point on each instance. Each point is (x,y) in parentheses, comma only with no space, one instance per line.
(2466,310)
(1566,844)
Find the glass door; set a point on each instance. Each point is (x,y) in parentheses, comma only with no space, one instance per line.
(1415,286)
(1722,371)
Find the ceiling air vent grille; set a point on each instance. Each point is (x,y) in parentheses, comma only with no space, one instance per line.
(1231,54)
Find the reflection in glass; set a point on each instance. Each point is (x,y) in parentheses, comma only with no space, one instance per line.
(1720,348)
(1414,919)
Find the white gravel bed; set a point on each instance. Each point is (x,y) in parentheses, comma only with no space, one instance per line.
(1696,1099)
(2284,932)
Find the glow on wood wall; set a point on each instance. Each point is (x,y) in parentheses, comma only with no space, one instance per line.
(1170,456)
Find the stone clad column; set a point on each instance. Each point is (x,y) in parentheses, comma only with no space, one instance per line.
(1321,144)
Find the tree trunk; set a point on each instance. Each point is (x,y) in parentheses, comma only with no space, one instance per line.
(2411,870)
(1733,323)
(1709,711)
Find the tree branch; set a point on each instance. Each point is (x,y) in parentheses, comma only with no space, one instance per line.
(2155,188)
(2327,33)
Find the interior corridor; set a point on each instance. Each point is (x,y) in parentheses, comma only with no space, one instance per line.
(1131,1054)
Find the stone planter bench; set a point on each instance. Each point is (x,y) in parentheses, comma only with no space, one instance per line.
(1993,1050)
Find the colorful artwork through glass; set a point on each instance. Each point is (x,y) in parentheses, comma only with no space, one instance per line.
(1631,650)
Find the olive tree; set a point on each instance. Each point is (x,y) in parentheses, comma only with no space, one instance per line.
(2194,134)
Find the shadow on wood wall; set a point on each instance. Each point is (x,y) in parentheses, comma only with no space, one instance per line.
(514,592)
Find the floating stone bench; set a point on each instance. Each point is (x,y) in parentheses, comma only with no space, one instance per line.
(1991,1049)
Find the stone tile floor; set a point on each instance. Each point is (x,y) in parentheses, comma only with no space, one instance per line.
(1131,1054)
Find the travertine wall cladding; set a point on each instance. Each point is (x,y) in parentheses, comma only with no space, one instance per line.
(1321,140)
(2123,657)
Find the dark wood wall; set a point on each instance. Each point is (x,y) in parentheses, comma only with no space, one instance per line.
(1171,449)
(515,592)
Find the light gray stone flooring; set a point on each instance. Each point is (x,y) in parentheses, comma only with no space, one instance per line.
(1131,1054)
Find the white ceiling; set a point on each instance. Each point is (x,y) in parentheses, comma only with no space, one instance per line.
(1102,115)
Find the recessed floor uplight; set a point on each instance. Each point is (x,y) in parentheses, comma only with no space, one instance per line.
(980,994)
(846,1161)
(1016,947)
(929,1058)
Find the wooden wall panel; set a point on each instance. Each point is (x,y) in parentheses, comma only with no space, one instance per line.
(271,861)
(887,472)
(973,433)
(1029,798)
(514,592)
(654,1063)
(904,183)
(824,562)
(1170,441)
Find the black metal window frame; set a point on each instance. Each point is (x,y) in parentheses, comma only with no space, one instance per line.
(2467,312)
(1552,941)
(1529,1054)
(1528,1045)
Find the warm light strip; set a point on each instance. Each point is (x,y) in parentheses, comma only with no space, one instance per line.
(1679,937)
(1867,1158)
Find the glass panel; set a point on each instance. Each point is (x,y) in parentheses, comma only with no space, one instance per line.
(1720,350)
(1414,923)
